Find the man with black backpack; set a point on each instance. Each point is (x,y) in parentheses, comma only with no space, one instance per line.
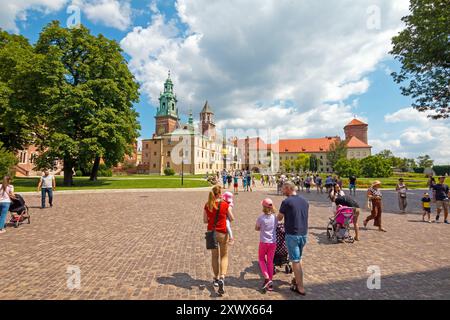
(347,201)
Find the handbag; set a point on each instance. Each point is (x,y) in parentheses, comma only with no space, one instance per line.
(210,236)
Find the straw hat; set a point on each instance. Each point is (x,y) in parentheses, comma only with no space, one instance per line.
(376,183)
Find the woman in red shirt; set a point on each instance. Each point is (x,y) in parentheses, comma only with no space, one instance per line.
(220,255)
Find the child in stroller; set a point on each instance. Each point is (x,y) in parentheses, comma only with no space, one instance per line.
(19,211)
(281,257)
(339,226)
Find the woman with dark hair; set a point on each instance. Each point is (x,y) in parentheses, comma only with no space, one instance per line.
(6,194)
(215,214)
(375,203)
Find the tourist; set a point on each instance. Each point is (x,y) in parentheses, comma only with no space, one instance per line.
(229,180)
(441,195)
(352,184)
(375,203)
(294,210)
(6,194)
(335,192)
(253,181)
(318,182)
(236,183)
(329,183)
(431,182)
(224,178)
(228,198)
(262,180)
(244,181)
(47,184)
(249,182)
(266,224)
(308,184)
(343,200)
(215,215)
(339,181)
(426,206)
(401,189)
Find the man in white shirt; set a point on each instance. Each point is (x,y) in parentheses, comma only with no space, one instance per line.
(47,184)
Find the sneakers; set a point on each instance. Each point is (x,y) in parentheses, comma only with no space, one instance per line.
(267,286)
(221,283)
(437,218)
(216,283)
(446,222)
(2,231)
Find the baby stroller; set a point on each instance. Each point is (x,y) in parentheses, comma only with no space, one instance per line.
(344,217)
(19,211)
(281,257)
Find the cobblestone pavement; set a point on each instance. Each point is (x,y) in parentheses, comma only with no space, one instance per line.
(150,246)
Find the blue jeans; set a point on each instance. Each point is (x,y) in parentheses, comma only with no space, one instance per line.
(50,196)
(295,245)
(4,207)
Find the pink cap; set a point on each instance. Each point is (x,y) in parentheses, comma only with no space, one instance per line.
(228,197)
(267,203)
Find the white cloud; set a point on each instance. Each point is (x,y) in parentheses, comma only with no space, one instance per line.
(112,13)
(245,57)
(421,135)
(13,10)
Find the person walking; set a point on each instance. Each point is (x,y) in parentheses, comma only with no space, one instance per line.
(352,184)
(6,194)
(441,196)
(215,214)
(266,224)
(47,184)
(401,189)
(375,203)
(294,211)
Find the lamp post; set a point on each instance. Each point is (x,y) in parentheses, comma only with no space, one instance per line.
(182,171)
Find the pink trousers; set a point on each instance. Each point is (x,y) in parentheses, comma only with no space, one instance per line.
(266,254)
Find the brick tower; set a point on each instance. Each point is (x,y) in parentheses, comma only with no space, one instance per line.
(208,127)
(167,114)
(358,129)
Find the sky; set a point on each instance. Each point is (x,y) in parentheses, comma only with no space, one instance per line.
(303,68)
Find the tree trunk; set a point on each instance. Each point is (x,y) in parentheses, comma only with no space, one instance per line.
(95,167)
(68,173)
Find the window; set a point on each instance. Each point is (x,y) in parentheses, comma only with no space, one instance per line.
(154,153)
(168,153)
(168,164)
(154,165)
(146,146)
(155,142)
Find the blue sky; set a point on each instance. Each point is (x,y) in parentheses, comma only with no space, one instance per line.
(301,68)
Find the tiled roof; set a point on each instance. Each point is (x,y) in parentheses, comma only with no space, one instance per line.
(356,122)
(305,145)
(354,142)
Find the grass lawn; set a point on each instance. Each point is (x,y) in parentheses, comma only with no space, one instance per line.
(83,183)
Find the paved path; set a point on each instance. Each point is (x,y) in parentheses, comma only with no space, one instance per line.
(149,245)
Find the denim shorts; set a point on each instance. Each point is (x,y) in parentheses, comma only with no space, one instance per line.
(295,245)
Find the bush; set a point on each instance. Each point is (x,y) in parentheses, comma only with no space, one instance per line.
(7,162)
(419,170)
(376,167)
(442,170)
(79,173)
(169,172)
(105,173)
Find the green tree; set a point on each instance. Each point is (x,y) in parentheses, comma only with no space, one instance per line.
(375,167)
(302,162)
(346,168)
(7,161)
(314,163)
(423,49)
(338,150)
(425,161)
(288,165)
(22,91)
(90,111)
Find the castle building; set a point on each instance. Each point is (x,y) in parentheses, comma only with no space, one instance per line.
(185,147)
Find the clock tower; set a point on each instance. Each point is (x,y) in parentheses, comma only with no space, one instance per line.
(167,113)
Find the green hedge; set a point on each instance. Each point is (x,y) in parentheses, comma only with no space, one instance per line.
(169,172)
(442,170)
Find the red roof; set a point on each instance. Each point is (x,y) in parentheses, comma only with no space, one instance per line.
(254,144)
(356,122)
(305,145)
(354,142)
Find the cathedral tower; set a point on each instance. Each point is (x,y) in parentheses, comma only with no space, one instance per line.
(208,127)
(167,114)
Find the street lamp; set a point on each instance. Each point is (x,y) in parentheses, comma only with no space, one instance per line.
(182,171)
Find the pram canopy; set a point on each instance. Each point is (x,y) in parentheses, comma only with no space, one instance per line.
(344,215)
(17,204)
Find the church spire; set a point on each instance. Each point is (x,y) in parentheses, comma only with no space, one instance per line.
(191,118)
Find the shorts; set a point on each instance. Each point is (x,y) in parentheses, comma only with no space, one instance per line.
(352,186)
(295,245)
(427,210)
(442,204)
(236,185)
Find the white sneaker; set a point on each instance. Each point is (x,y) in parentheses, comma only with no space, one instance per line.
(2,231)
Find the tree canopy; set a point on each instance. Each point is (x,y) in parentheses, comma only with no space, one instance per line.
(423,49)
